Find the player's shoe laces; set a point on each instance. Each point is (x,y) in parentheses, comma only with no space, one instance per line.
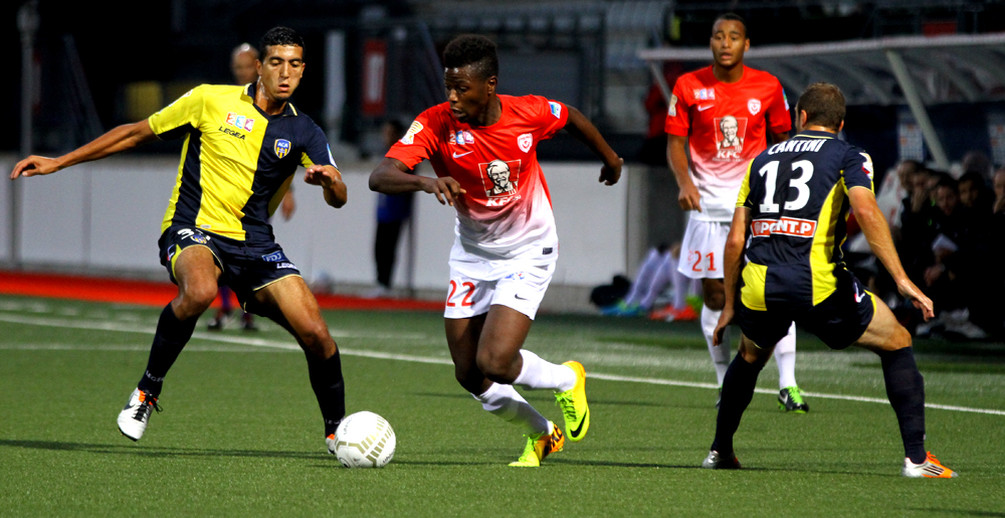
(931,468)
(539,446)
(573,404)
(134,416)
(791,400)
(716,461)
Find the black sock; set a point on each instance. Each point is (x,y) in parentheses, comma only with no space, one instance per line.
(737,391)
(329,388)
(905,387)
(171,336)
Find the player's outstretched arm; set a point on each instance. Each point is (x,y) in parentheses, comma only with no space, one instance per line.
(584,130)
(731,263)
(877,233)
(391,176)
(689,198)
(117,140)
(330,180)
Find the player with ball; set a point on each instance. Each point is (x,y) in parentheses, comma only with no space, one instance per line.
(483,148)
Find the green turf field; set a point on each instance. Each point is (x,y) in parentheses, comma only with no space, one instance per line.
(240,433)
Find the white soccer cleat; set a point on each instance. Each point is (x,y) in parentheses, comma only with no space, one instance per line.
(134,416)
(331,442)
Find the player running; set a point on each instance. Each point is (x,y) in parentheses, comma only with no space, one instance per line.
(784,262)
(243,145)
(719,117)
(482,146)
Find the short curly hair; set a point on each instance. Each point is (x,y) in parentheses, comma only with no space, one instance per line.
(472,49)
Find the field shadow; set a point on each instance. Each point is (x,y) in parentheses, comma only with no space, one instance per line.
(147,451)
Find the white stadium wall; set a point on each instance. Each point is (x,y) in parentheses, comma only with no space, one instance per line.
(105,217)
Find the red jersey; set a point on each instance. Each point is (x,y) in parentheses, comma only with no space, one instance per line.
(507,207)
(726,125)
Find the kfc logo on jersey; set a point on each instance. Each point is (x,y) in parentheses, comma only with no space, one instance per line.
(414,129)
(754,106)
(729,138)
(240,121)
(525,141)
(500,179)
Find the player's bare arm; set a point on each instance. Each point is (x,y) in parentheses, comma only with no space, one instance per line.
(689,198)
(392,177)
(731,263)
(580,127)
(116,140)
(870,218)
(330,180)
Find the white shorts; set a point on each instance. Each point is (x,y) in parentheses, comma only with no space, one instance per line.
(476,283)
(702,248)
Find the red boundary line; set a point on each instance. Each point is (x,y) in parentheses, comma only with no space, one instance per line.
(150,293)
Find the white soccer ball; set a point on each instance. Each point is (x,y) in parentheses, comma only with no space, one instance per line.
(364,440)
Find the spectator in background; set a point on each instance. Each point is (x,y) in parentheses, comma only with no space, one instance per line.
(975,194)
(393,212)
(244,66)
(953,276)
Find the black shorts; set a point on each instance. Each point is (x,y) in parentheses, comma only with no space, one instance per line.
(246,268)
(840,320)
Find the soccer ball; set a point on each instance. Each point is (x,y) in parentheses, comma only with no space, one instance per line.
(364,440)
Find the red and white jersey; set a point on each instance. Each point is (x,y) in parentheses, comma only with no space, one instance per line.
(507,207)
(726,125)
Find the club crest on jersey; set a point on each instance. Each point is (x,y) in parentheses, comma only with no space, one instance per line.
(282,147)
(414,129)
(461,138)
(754,106)
(240,121)
(525,141)
(704,94)
(500,179)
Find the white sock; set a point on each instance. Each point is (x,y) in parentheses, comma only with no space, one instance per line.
(505,402)
(785,357)
(720,354)
(661,279)
(540,374)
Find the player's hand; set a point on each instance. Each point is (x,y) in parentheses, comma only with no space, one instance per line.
(920,301)
(689,198)
(610,175)
(720,327)
(446,189)
(34,165)
(323,175)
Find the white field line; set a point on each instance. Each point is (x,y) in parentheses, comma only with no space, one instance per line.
(272,344)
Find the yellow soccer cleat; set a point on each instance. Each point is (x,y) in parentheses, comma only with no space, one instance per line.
(539,446)
(573,404)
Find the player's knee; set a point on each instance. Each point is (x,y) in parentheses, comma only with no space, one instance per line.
(194,299)
(496,367)
(315,337)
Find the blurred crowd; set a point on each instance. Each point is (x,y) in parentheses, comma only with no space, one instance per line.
(950,233)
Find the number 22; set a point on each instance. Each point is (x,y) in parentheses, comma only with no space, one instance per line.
(466,299)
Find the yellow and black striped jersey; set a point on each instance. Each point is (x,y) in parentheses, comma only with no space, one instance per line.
(797,194)
(236,162)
